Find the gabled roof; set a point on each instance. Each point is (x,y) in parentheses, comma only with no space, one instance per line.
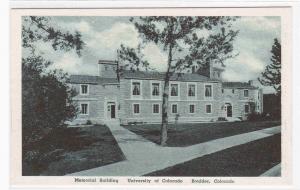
(237,85)
(151,75)
(87,79)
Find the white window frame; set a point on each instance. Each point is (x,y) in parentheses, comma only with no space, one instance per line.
(190,108)
(141,89)
(87,91)
(133,109)
(178,94)
(212,91)
(187,91)
(211,109)
(159,88)
(172,108)
(153,108)
(87,109)
(244,93)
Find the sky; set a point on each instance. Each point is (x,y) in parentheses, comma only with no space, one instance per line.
(103,36)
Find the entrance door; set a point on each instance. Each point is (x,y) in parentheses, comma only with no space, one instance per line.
(111,110)
(229,111)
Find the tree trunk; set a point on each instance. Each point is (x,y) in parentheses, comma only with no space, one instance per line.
(164,123)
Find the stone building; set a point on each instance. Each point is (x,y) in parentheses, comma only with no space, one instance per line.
(137,96)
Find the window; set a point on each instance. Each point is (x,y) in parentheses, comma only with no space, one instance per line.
(208,108)
(208,91)
(222,91)
(84,109)
(192,108)
(155,108)
(136,108)
(106,68)
(174,108)
(232,91)
(84,89)
(174,89)
(246,108)
(136,88)
(191,89)
(246,93)
(155,89)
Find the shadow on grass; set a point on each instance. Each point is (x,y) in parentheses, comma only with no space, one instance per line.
(69,150)
(250,159)
(182,135)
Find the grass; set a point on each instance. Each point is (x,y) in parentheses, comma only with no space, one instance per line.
(68,150)
(250,159)
(181,135)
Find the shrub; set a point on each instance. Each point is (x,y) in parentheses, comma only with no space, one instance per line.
(222,119)
(89,122)
(255,117)
(46,98)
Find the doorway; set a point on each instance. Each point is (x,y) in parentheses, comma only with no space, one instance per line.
(229,110)
(111,110)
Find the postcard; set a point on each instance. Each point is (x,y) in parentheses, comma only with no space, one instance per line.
(189,97)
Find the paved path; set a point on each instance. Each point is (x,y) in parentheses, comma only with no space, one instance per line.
(144,157)
(273,172)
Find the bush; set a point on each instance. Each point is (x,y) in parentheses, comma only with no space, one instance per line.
(255,117)
(46,99)
(222,119)
(89,122)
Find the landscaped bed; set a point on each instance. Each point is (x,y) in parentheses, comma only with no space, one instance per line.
(181,135)
(68,150)
(250,159)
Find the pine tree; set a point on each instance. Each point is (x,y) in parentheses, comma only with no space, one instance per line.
(272,74)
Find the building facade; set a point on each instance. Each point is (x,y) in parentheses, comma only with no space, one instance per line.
(137,96)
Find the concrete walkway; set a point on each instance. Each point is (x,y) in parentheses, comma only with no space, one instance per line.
(273,172)
(144,157)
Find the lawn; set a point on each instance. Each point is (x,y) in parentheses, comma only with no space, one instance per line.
(181,135)
(250,159)
(68,150)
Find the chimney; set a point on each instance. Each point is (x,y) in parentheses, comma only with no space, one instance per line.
(250,82)
(107,68)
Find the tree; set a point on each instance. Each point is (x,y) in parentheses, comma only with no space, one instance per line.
(46,96)
(46,99)
(272,74)
(39,29)
(180,38)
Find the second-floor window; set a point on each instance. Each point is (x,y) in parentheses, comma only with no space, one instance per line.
(136,88)
(84,89)
(174,89)
(246,93)
(191,90)
(208,91)
(155,89)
